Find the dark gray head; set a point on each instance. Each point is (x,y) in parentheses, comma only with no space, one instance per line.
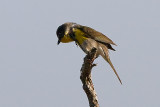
(64,29)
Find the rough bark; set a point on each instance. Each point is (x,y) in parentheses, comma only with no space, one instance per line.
(85,77)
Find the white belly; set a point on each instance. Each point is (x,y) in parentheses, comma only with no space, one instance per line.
(88,44)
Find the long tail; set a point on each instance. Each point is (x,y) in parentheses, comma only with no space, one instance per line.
(105,55)
(110,63)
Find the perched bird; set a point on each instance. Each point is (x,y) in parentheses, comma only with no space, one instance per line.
(86,38)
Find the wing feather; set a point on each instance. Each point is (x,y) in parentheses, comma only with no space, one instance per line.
(91,33)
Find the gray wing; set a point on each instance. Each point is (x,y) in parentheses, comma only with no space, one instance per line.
(91,33)
(99,37)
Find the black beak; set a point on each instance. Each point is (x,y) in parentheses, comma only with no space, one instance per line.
(58,42)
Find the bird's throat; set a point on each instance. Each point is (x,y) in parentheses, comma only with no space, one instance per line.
(66,39)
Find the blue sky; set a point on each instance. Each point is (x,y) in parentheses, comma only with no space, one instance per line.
(35,72)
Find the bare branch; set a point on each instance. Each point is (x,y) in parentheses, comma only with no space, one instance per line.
(85,77)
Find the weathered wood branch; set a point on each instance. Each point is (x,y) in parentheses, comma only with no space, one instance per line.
(85,77)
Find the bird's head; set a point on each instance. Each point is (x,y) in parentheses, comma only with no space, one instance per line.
(63,32)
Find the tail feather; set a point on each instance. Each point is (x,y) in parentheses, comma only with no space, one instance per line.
(110,63)
(105,55)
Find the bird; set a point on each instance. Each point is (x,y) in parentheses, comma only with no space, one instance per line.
(86,38)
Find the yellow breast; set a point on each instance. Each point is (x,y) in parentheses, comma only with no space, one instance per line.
(66,39)
(79,35)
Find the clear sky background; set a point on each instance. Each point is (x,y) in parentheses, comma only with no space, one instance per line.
(35,72)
